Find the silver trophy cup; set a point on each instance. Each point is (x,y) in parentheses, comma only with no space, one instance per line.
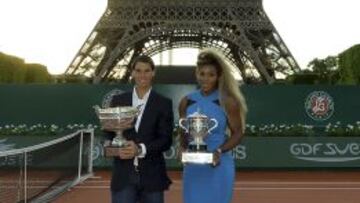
(198,126)
(115,115)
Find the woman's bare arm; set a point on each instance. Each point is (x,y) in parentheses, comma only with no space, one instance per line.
(182,114)
(234,122)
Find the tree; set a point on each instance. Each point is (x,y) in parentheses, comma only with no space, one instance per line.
(325,69)
(320,71)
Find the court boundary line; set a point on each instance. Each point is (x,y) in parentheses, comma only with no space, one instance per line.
(244,188)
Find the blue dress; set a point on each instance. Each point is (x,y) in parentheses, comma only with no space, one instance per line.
(204,183)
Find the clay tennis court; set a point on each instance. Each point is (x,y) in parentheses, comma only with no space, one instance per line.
(250,187)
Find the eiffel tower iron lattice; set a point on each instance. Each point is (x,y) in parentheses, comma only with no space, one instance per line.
(239,29)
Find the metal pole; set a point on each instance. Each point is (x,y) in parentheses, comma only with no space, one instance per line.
(90,167)
(25,176)
(80,154)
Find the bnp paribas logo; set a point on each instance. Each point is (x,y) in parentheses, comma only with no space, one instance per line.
(319,105)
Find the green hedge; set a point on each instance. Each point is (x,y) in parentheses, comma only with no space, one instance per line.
(267,130)
(349,66)
(15,71)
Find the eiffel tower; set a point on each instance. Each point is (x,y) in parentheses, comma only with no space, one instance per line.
(239,29)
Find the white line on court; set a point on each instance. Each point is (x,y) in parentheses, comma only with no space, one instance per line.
(235,188)
(246,188)
(236,183)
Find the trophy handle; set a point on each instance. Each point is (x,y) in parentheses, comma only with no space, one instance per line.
(181,124)
(97,109)
(214,126)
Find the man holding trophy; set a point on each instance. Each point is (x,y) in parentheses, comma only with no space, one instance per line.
(206,115)
(137,137)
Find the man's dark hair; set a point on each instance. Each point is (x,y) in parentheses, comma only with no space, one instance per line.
(143,59)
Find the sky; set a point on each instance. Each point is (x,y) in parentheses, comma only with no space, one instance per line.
(51,32)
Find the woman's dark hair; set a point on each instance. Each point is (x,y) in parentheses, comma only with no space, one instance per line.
(227,84)
(209,58)
(143,59)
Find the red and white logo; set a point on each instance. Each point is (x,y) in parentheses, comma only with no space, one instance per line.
(319,105)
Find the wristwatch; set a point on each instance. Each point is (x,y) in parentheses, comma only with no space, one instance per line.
(139,151)
(219,150)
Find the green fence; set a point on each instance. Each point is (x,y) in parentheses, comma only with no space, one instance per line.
(254,152)
(66,104)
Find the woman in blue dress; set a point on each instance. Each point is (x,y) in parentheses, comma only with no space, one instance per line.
(218,97)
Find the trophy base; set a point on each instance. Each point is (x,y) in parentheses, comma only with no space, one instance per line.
(197,157)
(111,150)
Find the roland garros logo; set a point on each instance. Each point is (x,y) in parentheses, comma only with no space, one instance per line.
(319,105)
